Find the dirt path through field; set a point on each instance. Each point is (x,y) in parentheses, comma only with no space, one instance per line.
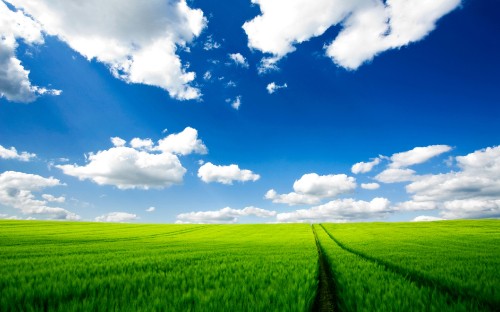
(325,297)
(419,279)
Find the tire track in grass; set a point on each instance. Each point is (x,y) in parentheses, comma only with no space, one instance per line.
(418,278)
(325,296)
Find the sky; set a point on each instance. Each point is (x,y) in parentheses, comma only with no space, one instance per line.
(256,111)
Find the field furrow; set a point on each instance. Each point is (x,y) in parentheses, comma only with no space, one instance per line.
(364,285)
(460,258)
(325,296)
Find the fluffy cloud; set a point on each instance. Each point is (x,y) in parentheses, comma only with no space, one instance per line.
(236,103)
(137,40)
(141,143)
(311,188)
(225,174)
(417,155)
(14,78)
(273,87)
(397,171)
(117,217)
(369,26)
(370,186)
(52,198)
(426,219)
(393,175)
(150,209)
(224,215)
(472,192)
(129,167)
(183,143)
(238,59)
(12,153)
(364,167)
(339,210)
(16,191)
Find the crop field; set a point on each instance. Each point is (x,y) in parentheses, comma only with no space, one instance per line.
(77,266)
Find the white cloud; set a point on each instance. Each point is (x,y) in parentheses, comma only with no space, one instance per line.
(376,27)
(472,192)
(370,186)
(414,206)
(209,172)
(364,167)
(207,75)
(137,40)
(16,191)
(417,155)
(368,26)
(292,198)
(52,198)
(150,209)
(138,143)
(128,167)
(117,217)
(236,103)
(426,219)
(471,208)
(393,175)
(239,59)
(14,78)
(118,142)
(12,153)
(224,215)
(311,188)
(211,44)
(183,143)
(339,210)
(272,87)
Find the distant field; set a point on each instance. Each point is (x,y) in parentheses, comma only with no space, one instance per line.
(69,266)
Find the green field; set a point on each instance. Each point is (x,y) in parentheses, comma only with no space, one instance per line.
(77,266)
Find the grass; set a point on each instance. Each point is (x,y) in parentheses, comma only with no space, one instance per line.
(461,257)
(77,266)
(122,267)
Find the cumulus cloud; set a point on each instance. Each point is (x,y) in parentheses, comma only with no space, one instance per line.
(150,209)
(11,153)
(369,27)
(129,167)
(224,215)
(136,39)
(393,175)
(397,170)
(182,143)
(16,191)
(311,188)
(273,87)
(52,198)
(118,142)
(339,210)
(238,59)
(364,167)
(117,217)
(141,143)
(417,155)
(472,192)
(426,219)
(370,186)
(14,78)
(209,172)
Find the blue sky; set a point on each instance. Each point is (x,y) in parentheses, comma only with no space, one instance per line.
(291,95)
